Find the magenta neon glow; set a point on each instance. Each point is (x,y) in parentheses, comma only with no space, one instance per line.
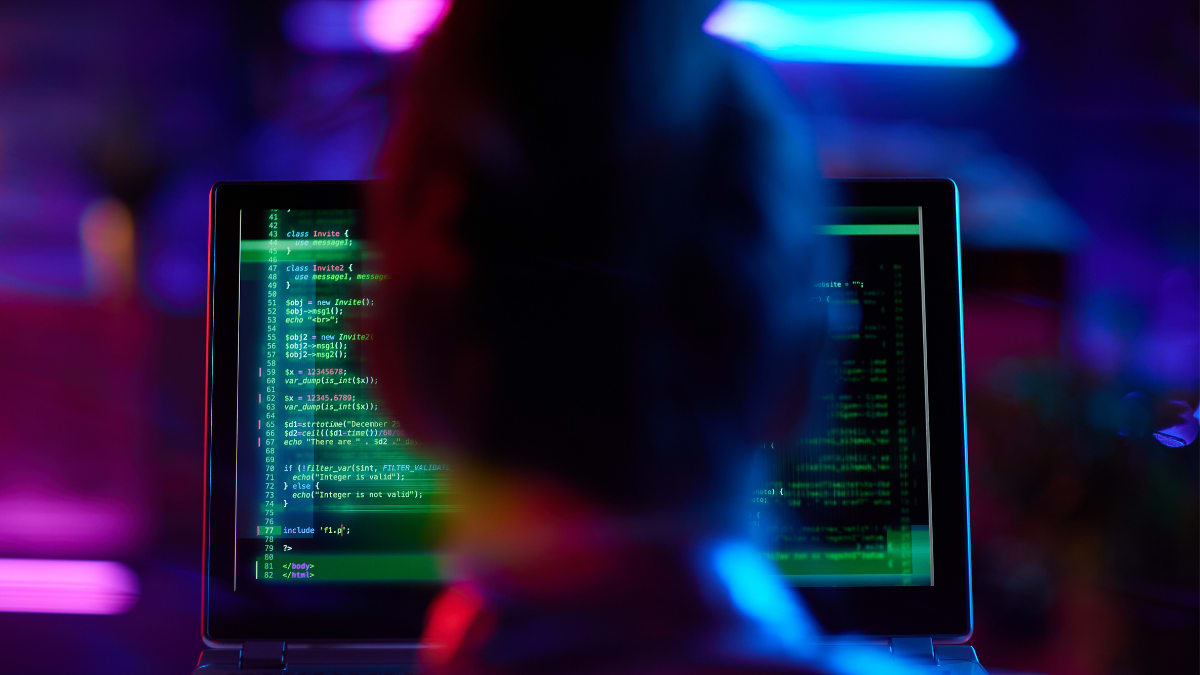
(54,523)
(66,586)
(397,25)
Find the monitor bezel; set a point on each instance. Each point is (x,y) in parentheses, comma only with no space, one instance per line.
(352,613)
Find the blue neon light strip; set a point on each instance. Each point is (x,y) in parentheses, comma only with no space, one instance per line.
(930,33)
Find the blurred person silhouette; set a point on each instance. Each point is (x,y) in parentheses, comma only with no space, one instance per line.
(598,223)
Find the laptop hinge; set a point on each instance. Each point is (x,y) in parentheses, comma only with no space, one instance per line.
(918,649)
(263,654)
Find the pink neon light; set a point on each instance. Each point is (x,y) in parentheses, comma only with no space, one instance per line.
(59,524)
(397,25)
(66,586)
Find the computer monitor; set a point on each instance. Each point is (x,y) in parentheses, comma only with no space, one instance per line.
(321,511)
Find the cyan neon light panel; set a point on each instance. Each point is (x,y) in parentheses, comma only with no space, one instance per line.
(902,33)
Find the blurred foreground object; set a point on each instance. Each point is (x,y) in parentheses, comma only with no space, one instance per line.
(958,33)
(66,586)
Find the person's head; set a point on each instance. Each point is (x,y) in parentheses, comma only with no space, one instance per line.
(585,297)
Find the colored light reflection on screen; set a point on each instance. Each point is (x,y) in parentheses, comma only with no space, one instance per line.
(899,33)
(66,586)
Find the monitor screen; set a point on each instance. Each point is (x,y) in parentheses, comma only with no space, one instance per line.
(848,503)
(330,491)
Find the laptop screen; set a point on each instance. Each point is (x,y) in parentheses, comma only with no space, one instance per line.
(848,504)
(330,491)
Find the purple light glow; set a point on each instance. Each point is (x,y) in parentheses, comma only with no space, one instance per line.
(60,524)
(366,25)
(66,586)
(397,25)
(323,25)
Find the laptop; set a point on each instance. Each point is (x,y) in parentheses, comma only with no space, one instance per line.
(320,518)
